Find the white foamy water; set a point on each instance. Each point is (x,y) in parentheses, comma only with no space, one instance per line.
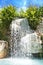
(24,41)
(22,61)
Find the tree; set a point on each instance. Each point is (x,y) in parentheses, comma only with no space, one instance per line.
(7,15)
(41,11)
(33,17)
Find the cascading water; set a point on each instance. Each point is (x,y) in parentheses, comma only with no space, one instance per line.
(23,40)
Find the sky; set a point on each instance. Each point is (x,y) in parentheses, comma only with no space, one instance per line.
(21,3)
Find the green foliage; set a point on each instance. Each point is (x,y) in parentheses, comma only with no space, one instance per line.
(7,15)
(33,17)
(3,33)
(41,11)
(3,37)
(21,13)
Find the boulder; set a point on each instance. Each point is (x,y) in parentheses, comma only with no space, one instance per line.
(3,49)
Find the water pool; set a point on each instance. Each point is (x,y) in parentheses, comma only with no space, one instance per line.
(22,61)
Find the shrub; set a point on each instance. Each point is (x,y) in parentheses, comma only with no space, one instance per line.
(7,15)
(33,17)
(41,11)
(22,13)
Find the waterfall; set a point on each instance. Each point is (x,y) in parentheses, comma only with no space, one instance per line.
(24,41)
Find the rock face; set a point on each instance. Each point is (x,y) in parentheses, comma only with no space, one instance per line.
(40,27)
(31,43)
(3,49)
(23,40)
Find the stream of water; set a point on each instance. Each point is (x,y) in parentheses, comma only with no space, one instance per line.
(24,41)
